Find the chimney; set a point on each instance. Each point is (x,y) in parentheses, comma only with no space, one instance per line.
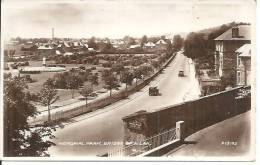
(52,31)
(235,32)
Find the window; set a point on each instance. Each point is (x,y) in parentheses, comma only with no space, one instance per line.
(238,61)
(238,77)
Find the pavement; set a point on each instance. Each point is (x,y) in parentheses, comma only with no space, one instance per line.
(89,134)
(230,137)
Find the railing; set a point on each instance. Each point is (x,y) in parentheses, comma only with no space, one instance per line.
(137,148)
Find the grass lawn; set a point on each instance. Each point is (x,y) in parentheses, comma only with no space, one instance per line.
(64,94)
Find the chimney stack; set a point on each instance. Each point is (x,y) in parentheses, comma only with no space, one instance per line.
(52,30)
(235,32)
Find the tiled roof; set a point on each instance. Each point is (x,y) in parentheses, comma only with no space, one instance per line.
(244,34)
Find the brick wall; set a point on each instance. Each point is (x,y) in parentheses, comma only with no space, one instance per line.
(196,114)
(229,58)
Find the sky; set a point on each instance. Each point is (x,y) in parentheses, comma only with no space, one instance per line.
(117,18)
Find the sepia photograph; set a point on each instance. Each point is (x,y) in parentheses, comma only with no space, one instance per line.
(128,80)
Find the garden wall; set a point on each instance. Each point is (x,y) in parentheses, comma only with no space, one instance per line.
(196,114)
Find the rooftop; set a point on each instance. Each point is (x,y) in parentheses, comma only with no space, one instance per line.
(243,30)
(161,41)
(45,47)
(151,44)
(244,51)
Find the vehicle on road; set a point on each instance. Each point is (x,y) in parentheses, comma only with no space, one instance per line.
(153,91)
(181,73)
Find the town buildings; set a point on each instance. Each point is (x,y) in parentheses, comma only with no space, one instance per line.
(225,55)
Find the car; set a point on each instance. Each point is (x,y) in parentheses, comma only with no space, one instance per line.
(82,67)
(153,91)
(93,94)
(181,73)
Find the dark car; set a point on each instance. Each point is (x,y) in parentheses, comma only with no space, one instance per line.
(181,73)
(153,91)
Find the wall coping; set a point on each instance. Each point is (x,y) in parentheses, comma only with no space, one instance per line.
(144,112)
(211,95)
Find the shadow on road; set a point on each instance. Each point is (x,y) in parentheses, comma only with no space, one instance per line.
(190,142)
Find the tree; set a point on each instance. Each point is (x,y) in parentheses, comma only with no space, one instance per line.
(131,41)
(85,92)
(155,64)
(144,40)
(106,47)
(127,78)
(73,83)
(195,46)
(48,96)
(118,67)
(19,138)
(93,78)
(137,75)
(111,82)
(92,43)
(146,69)
(177,42)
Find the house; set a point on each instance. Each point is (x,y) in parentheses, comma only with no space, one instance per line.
(68,54)
(149,45)
(225,51)
(161,44)
(91,50)
(45,50)
(134,46)
(28,49)
(20,50)
(57,52)
(244,65)
(118,44)
(64,47)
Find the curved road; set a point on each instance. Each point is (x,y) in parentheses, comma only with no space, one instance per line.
(84,136)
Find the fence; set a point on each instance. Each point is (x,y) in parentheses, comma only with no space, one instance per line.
(145,145)
(100,103)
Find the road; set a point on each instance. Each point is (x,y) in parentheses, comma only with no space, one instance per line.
(105,125)
(230,137)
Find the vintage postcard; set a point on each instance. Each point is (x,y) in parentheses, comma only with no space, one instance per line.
(128,80)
